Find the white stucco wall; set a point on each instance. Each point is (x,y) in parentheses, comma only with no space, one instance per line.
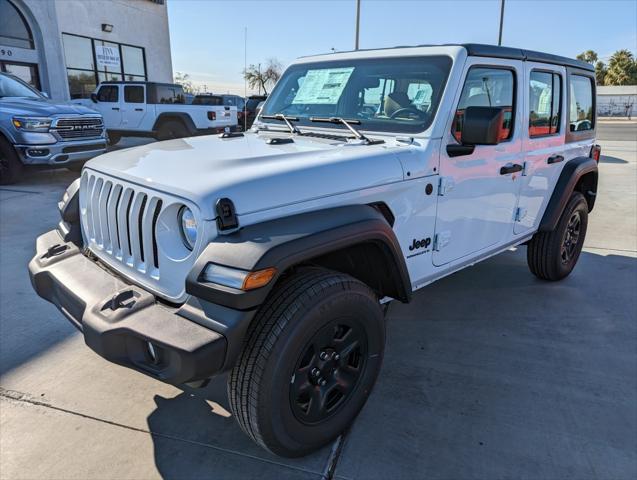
(136,22)
(617,101)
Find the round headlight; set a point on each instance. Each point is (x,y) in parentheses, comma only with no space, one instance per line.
(188,227)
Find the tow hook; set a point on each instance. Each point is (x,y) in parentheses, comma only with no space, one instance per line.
(54,251)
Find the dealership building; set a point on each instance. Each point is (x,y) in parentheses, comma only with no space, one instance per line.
(66,47)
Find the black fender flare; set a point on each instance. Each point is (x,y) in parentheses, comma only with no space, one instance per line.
(569,181)
(179,116)
(289,241)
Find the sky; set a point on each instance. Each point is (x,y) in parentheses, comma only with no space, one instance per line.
(207,36)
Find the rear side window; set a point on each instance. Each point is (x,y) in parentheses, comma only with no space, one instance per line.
(166,94)
(487,87)
(108,93)
(133,94)
(544,103)
(581,103)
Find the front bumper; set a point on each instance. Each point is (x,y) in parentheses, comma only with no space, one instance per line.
(61,153)
(126,325)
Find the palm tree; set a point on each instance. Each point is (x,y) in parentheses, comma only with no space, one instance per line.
(622,69)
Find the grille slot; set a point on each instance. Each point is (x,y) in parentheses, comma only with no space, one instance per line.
(78,127)
(121,222)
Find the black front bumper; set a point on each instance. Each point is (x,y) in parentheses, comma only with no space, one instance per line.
(126,325)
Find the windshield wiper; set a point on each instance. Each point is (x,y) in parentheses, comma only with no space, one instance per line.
(284,118)
(348,123)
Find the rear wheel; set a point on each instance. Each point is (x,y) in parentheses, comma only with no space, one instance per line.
(10,165)
(310,360)
(171,129)
(553,255)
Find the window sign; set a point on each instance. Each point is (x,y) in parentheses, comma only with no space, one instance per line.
(323,87)
(107,57)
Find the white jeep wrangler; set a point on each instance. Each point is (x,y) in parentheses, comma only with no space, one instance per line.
(270,254)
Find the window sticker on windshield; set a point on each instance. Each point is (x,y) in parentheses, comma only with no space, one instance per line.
(323,86)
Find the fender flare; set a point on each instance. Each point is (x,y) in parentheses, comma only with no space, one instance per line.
(572,173)
(180,116)
(289,241)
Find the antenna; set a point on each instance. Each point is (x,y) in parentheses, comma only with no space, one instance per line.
(245,81)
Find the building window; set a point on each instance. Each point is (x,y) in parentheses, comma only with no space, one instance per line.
(14,29)
(90,61)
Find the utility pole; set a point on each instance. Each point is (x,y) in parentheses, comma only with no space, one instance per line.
(358,23)
(501,21)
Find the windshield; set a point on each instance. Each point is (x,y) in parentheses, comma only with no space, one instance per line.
(10,87)
(388,94)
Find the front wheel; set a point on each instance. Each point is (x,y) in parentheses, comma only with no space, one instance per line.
(310,360)
(553,255)
(10,165)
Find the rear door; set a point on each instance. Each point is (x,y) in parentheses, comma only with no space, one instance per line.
(108,99)
(133,106)
(543,142)
(477,196)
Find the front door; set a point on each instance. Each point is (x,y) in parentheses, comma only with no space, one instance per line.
(478,190)
(108,105)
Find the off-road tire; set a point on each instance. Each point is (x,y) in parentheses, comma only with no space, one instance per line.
(170,129)
(10,165)
(261,385)
(76,166)
(545,254)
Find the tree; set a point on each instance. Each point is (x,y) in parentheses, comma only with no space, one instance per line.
(589,56)
(183,79)
(622,69)
(261,77)
(600,73)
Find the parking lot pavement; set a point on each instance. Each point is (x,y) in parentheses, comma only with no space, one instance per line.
(489,373)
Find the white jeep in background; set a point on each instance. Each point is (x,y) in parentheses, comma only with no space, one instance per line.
(271,254)
(158,110)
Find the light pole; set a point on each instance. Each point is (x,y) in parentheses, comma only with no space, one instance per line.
(358,23)
(501,22)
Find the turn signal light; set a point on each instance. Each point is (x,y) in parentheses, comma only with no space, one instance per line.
(258,279)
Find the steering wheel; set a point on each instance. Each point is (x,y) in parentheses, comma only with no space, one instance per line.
(420,114)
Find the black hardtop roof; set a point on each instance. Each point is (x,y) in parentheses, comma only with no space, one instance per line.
(495,51)
(141,82)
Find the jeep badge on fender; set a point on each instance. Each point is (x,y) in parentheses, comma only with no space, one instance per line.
(269,254)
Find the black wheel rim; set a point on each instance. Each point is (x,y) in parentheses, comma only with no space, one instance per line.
(328,371)
(571,238)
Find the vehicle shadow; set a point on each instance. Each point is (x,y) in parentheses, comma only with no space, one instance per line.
(609,159)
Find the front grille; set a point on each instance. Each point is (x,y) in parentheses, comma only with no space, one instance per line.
(134,230)
(78,127)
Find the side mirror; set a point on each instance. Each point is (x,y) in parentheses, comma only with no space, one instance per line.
(482,126)
(94,97)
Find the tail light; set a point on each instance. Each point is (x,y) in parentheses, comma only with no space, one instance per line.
(596,152)
(212,116)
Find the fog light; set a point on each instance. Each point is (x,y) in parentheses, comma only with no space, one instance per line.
(38,152)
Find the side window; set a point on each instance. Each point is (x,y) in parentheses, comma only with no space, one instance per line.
(166,94)
(134,94)
(544,103)
(581,103)
(108,93)
(487,87)
(240,103)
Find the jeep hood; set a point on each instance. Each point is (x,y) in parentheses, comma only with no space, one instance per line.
(40,107)
(255,175)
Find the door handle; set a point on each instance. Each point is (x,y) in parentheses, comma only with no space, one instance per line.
(510,168)
(116,108)
(139,109)
(555,159)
